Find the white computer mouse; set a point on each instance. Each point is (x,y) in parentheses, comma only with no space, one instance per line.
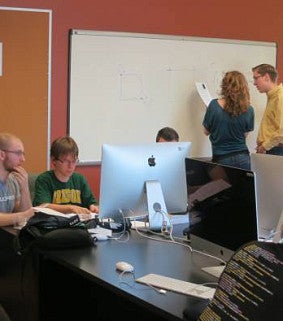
(124,266)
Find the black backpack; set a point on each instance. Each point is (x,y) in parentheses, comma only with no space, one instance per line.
(53,232)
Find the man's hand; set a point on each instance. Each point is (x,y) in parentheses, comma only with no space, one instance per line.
(21,175)
(94,208)
(79,209)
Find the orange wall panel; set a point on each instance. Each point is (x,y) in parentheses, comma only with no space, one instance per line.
(24,82)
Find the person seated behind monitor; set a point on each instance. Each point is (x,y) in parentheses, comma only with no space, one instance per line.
(167,134)
(15,202)
(62,189)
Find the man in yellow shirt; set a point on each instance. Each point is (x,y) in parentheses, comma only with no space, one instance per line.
(270,134)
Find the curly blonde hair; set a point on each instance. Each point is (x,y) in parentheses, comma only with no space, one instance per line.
(235,92)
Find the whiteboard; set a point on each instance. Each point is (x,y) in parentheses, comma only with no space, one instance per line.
(124,87)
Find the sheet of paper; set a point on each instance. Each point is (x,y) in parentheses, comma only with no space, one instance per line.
(49,211)
(100,231)
(204,93)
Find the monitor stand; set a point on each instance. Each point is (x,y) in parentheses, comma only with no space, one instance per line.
(278,234)
(157,211)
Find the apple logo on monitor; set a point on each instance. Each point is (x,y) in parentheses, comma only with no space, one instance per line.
(151,161)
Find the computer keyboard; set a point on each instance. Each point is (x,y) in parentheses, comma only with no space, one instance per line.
(176,285)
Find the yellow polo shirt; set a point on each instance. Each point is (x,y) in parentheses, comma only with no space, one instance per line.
(270,133)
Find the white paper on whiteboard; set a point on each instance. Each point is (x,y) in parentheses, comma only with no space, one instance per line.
(203,92)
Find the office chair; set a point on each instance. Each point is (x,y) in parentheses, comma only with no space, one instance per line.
(3,314)
(250,287)
(31,181)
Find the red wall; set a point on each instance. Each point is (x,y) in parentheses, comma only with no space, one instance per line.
(241,19)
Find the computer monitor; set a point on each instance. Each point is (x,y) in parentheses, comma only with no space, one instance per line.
(269,191)
(143,180)
(222,207)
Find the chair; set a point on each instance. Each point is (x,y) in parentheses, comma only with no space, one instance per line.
(3,314)
(31,182)
(251,285)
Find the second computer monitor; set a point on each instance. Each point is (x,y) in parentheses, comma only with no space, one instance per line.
(269,191)
(222,207)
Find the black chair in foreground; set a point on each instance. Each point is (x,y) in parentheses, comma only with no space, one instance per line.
(3,314)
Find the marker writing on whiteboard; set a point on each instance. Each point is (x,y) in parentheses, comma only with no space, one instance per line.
(203,86)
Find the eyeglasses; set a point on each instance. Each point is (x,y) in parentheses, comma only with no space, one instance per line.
(68,162)
(19,153)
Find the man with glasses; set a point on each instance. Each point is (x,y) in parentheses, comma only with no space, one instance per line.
(62,189)
(270,134)
(15,202)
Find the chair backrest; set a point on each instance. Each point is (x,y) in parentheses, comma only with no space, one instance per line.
(31,181)
(251,285)
(3,314)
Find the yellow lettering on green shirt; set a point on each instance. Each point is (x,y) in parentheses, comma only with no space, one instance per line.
(67,196)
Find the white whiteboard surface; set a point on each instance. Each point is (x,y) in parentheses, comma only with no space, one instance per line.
(124,87)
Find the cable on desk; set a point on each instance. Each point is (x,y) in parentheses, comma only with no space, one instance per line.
(120,237)
(133,284)
(209,255)
(123,236)
(123,275)
(161,238)
(161,291)
(172,239)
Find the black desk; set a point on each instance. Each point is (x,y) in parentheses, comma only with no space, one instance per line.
(76,283)
(10,276)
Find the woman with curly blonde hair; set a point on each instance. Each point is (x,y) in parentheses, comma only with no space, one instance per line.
(228,120)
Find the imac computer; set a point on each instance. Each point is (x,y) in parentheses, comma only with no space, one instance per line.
(146,180)
(268,171)
(222,207)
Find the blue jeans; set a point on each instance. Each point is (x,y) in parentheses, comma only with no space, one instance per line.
(275,151)
(241,160)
